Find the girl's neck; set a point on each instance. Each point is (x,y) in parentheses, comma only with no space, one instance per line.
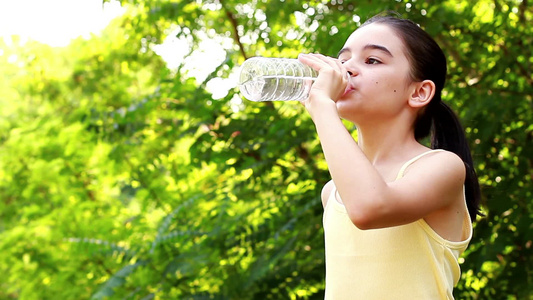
(384,143)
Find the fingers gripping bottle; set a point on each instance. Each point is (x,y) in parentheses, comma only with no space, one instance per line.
(275,79)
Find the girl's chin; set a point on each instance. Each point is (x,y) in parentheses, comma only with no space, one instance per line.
(347,106)
(343,100)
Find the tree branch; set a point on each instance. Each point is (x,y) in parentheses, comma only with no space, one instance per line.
(522,16)
(234,25)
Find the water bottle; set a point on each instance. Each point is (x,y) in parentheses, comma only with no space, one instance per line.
(275,79)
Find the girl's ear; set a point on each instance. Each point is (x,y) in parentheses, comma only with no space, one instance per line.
(422,94)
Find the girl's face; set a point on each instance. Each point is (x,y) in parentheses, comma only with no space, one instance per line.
(380,84)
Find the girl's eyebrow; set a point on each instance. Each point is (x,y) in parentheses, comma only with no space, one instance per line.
(378,47)
(342,51)
(367,47)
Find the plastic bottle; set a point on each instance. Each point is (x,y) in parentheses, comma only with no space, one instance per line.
(275,79)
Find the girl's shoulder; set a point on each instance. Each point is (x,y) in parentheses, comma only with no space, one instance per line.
(435,166)
(435,160)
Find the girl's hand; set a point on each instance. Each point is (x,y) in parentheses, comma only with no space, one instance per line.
(330,84)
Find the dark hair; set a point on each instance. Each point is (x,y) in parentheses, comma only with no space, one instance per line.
(428,61)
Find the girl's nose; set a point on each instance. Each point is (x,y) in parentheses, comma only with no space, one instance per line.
(352,70)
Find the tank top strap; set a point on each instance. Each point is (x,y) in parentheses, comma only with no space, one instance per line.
(412,160)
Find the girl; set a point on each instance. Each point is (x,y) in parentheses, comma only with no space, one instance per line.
(397,214)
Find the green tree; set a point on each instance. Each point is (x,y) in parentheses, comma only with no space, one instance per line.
(121,178)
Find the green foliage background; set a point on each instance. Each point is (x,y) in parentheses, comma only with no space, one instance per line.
(123,179)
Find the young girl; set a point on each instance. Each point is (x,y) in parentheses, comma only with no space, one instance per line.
(397,214)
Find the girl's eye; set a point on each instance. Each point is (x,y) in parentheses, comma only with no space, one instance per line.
(372,61)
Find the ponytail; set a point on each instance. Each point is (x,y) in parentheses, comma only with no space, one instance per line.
(448,134)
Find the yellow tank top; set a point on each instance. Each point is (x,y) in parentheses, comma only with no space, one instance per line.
(403,262)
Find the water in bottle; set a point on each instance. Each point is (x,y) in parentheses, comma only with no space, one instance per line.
(275,79)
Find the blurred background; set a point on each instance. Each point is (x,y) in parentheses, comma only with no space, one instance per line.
(131,167)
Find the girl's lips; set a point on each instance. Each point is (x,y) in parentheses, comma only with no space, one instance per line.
(348,89)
